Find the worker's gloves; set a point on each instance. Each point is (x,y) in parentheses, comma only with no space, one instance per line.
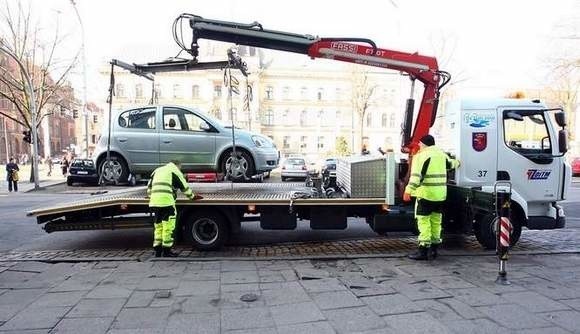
(406,197)
(196,197)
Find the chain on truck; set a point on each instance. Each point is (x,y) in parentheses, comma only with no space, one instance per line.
(483,134)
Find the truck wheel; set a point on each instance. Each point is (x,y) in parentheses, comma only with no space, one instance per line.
(117,172)
(206,230)
(485,231)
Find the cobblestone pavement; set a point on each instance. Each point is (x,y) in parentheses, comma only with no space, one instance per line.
(453,294)
(531,242)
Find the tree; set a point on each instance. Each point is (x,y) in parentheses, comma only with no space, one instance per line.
(362,92)
(342,148)
(40,62)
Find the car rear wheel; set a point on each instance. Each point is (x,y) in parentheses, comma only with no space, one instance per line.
(115,172)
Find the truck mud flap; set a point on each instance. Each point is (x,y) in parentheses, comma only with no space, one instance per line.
(328,218)
(277,218)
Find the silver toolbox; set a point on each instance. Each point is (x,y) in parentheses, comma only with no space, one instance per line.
(368,177)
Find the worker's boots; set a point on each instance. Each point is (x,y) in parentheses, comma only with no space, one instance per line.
(433,251)
(158,251)
(167,252)
(422,254)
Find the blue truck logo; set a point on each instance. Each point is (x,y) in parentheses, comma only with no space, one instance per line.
(479,120)
(538,174)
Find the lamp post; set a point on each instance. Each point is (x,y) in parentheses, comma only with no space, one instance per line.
(32,108)
(85,112)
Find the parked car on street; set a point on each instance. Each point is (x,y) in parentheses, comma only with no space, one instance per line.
(329,167)
(82,171)
(294,168)
(575,166)
(145,138)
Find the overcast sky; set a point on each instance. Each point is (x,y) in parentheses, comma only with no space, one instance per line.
(492,43)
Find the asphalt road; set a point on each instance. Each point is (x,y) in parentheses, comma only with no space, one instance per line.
(18,232)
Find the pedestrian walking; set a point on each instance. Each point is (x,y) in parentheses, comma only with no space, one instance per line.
(428,184)
(64,166)
(162,192)
(12,175)
(49,164)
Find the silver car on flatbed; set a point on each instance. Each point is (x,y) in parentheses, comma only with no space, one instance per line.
(144,138)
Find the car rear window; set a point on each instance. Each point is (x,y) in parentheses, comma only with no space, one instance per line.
(83,163)
(296,162)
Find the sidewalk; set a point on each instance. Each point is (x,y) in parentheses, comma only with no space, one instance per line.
(450,295)
(24,185)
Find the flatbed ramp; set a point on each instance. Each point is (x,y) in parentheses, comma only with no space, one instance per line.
(213,194)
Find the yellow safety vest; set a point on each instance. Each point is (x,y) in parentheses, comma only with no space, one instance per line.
(160,188)
(429,174)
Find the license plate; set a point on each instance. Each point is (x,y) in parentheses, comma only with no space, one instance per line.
(84,172)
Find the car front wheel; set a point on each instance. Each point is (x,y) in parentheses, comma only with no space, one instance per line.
(116,171)
(238,167)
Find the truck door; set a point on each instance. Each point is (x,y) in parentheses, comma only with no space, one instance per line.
(525,152)
(187,137)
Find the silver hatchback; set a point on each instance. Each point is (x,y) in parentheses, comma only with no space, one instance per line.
(144,138)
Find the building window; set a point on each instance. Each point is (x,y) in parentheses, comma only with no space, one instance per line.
(286,93)
(286,142)
(177,94)
(139,91)
(303,118)
(269,93)
(120,90)
(304,142)
(217,91)
(320,142)
(95,118)
(304,93)
(158,91)
(286,117)
(392,121)
(369,119)
(93,139)
(338,94)
(195,91)
(384,120)
(320,94)
(268,118)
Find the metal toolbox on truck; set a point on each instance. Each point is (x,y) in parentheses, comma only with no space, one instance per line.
(368,177)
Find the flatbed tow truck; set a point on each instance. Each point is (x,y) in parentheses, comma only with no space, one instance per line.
(369,188)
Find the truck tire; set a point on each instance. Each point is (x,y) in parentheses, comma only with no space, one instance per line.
(205,230)
(485,234)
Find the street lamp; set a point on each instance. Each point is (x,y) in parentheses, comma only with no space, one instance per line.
(85,113)
(32,108)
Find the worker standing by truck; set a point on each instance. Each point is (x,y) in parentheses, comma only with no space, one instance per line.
(428,184)
(162,192)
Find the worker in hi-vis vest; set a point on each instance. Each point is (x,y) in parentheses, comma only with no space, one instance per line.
(162,192)
(428,184)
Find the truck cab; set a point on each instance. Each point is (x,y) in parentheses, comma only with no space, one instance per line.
(519,141)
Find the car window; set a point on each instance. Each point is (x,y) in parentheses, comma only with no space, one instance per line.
(82,163)
(138,119)
(181,119)
(295,161)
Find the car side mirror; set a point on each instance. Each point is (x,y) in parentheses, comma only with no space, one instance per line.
(563,141)
(560,117)
(204,126)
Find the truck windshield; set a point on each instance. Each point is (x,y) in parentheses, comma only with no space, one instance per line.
(526,132)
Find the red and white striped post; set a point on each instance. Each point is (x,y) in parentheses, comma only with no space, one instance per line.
(504,230)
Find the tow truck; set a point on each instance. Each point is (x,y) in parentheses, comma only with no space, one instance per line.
(481,132)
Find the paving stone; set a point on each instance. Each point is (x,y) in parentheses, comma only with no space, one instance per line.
(109,291)
(201,275)
(549,289)
(133,267)
(203,323)
(308,328)
(449,282)
(83,325)
(420,290)
(415,323)
(550,330)
(130,279)
(35,318)
(463,310)
(391,304)
(14,279)
(289,293)
(50,299)
(211,265)
(198,304)
(197,288)
(246,318)
(81,282)
(137,331)
(289,275)
(477,326)
(240,287)
(158,283)
(569,320)
(336,299)
(323,285)
(573,303)
(140,299)
(311,273)
(12,301)
(31,266)
(142,318)
(97,308)
(296,313)
(348,320)
(534,302)
(232,300)
(238,266)
(513,316)
(477,297)
(254,331)
(423,270)
(365,287)
(237,277)
(28,331)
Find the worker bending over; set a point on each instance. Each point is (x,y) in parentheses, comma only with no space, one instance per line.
(428,184)
(162,192)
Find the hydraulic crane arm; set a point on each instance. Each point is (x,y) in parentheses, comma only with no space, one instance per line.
(352,50)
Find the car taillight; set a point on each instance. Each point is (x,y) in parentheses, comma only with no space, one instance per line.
(283,167)
(303,167)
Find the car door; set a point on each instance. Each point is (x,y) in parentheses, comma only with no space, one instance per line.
(136,135)
(187,137)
